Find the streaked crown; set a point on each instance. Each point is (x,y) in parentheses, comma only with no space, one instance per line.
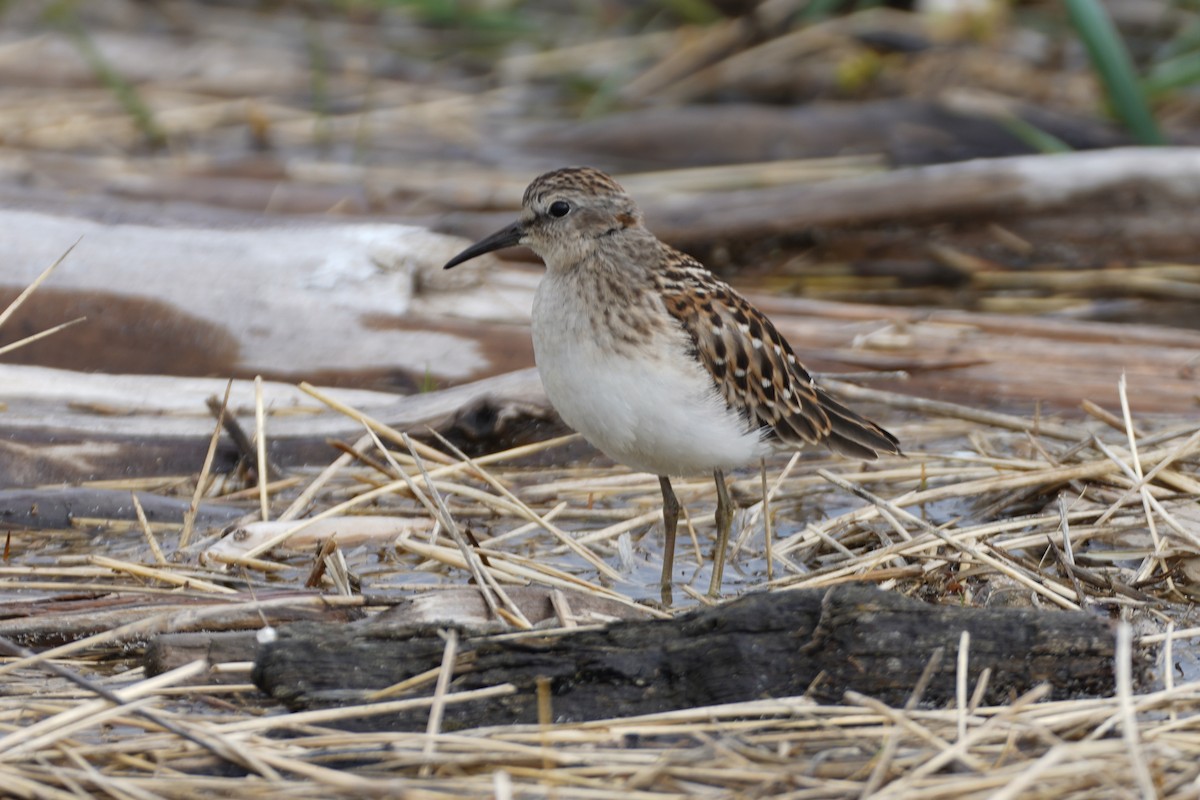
(570,180)
(569,215)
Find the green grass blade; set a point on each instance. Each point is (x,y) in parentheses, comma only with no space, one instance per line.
(818,10)
(1033,136)
(1175,73)
(125,92)
(1112,63)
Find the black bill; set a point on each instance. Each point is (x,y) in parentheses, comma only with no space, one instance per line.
(506,237)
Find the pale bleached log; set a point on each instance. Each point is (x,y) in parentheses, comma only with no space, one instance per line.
(348,531)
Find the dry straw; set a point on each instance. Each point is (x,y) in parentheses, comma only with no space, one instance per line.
(1047,513)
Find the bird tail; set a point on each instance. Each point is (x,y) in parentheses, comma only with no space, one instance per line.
(853,435)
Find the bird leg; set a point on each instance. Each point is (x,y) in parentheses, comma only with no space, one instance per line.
(768,534)
(724,522)
(670,522)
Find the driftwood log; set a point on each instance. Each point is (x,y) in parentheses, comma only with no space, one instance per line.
(460,608)
(130,619)
(61,426)
(57,507)
(68,426)
(379,311)
(779,644)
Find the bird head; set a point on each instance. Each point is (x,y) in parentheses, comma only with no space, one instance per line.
(565,216)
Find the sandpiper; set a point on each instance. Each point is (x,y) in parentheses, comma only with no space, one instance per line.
(659,364)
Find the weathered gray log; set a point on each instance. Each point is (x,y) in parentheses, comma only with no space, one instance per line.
(48,435)
(995,188)
(1149,191)
(904,131)
(61,426)
(820,643)
(41,622)
(55,508)
(462,608)
(167,651)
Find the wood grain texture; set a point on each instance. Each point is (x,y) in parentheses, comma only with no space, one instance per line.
(778,644)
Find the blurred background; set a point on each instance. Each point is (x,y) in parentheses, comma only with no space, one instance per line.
(801,148)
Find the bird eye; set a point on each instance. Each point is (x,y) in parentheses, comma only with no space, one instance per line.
(560,208)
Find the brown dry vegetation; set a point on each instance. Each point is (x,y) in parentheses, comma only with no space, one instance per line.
(293,108)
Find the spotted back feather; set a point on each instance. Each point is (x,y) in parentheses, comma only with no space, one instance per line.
(754,367)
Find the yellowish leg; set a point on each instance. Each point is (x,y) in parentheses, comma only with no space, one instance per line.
(769,534)
(670,523)
(724,523)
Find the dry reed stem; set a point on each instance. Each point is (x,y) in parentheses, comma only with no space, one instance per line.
(260,441)
(1051,590)
(149,534)
(297,721)
(788,747)
(190,617)
(28,291)
(89,714)
(189,516)
(728,177)
(488,586)
(438,705)
(28,340)
(372,424)
(395,486)
(306,497)
(926,528)
(568,540)
(166,576)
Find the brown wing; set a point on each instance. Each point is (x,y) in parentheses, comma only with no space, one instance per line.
(754,367)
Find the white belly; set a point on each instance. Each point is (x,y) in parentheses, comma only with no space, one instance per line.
(655,410)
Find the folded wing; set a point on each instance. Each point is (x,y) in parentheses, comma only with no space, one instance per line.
(755,370)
